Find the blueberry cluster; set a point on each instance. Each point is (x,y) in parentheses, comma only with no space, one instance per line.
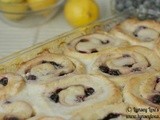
(143,9)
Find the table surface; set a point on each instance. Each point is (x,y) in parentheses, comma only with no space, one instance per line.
(14,39)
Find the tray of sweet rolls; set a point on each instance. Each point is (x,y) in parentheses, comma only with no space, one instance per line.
(109,70)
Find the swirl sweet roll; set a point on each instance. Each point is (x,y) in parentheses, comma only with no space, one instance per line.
(88,46)
(123,63)
(17,110)
(48,67)
(10,85)
(80,92)
(145,33)
(144,92)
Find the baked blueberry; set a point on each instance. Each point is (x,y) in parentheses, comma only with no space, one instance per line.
(56,65)
(10,118)
(84,40)
(4,81)
(126,55)
(128,65)
(114,72)
(158,80)
(111,116)
(104,69)
(7,102)
(89,91)
(59,90)
(31,77)
(136,69)
(94,51)
(81,51)
(62,74)
(80,98)
(155,99)
(55,97)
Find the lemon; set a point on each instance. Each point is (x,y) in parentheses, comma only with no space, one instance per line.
(14,11)
(40,4)
(12,1)
(81,12)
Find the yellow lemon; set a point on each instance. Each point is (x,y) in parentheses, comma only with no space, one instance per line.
(14,11)
(12,1)
(81,12)
(40,4)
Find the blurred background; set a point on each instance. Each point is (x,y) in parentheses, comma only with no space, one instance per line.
(24,23)
(14,38)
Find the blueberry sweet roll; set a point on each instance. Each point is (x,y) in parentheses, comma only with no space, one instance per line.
(144,93)
(123,63)
(87,47)
(144,33)
(48,67)
(81,92)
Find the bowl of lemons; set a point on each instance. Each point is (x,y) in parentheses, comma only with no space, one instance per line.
(28,13)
